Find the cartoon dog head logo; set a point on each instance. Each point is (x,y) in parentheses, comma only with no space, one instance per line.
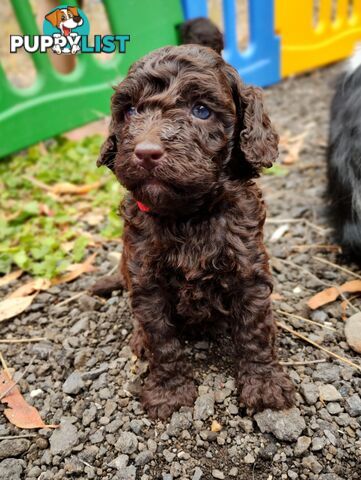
(67,22)
(65,19)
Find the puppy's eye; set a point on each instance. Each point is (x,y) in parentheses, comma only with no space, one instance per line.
(130,111)
(202,112)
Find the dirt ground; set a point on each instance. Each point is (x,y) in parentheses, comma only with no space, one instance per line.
(84,376)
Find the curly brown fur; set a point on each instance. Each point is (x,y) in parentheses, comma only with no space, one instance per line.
(197,258)
(201,31)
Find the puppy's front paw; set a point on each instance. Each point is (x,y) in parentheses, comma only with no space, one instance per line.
(266,387)
(75,49)
(160,401)
(56,49)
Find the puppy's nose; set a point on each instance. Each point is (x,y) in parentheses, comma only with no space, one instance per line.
(77,18)
(148,154)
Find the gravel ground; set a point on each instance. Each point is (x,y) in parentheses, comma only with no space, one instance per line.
(86,378)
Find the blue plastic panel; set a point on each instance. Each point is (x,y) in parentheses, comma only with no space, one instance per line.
(259,64)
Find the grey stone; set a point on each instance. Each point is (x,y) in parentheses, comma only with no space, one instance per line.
(11,469)
(168,455)
(302,445)
(128,473)
(249,458)
(143,458)
(221,395)
(317,444)
(167,476)
(218,474)
(246,424)
(80,326)
(269,451)
(180,421)
(312,464)
(310,392)
(326,373)
(353,332)
(197,475)
(89,415)
(136,426)
(73,384)
(353,405)
(319,316)
(93,374)
(13,447)
(63,439)
(292,475)
(328,393)
(285,425)
(233,472)
(119,462)
(334,408)
(127,443)
(204,407)
(152,445)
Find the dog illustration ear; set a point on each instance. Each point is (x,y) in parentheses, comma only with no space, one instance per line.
(74,11)
(53,18)
(108,152)
(258,140)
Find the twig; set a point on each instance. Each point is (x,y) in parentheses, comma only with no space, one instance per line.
(316,246)
(11,437)
(18,380)
(305,270)
(331,264)
(70,299)
(332,354)
(305,320)
(85,463)
(304,362)
(23,340)
(276,221)
(5,367)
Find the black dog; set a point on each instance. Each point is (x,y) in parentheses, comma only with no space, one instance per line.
(344,160)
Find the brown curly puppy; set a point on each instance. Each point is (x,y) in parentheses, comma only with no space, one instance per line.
(186,139)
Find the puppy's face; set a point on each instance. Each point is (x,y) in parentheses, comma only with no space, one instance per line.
(176,127)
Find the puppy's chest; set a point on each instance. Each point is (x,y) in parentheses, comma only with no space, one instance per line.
(200,279)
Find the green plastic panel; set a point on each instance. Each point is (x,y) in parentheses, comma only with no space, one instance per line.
(56,103)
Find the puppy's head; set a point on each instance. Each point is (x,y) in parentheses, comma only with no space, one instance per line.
(68,17)
(183,124)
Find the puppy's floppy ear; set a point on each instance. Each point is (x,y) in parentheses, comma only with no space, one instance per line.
(108,151)
(258,140)
(53,17)
(74,11)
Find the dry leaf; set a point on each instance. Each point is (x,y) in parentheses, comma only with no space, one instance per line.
(31,287)
(11,307)
(332,293)
(293,145)
(70,188)
(19,412)
(344,306)
(74,271)
(10,277)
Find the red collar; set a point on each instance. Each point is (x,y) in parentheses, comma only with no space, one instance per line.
(142,207)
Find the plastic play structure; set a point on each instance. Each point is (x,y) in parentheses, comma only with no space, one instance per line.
(286,37)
